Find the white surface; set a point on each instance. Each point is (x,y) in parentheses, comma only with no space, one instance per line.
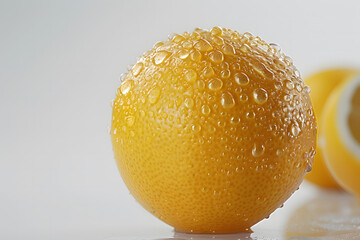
(59,68)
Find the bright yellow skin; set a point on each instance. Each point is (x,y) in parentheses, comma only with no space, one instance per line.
(342,163)
(203,136)
(322,84)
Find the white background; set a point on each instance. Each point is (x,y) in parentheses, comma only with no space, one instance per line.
(60,64)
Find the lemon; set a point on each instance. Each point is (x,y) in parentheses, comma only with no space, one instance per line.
(340,134)
(213,130)
(322,84)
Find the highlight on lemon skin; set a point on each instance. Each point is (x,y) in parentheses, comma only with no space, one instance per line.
(340,135)
(213,130)
(322,85)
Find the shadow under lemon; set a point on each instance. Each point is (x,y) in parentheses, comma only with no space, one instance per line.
(334,215)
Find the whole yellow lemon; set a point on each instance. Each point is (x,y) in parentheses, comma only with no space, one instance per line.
(213,130)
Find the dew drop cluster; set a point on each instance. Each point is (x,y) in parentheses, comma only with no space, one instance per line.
(229,82)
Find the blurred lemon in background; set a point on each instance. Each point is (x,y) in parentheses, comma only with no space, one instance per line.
(322,85)
(340,134)
(213,130)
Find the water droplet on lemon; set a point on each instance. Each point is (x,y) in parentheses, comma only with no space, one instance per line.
(227,100)
(189,102)
(161,56)
(209,72)
(235,120)
(228,49)
(137,68)
(260,95)
(243,97)
(195,55)
(216,57)
(258,150)
(205,110)
(250,115)
(241,79)
(215,84)
(203,45)
(295,130)
(154,95)
(126,86)
(183,53)
(130,120)
(196,128)
(190,76)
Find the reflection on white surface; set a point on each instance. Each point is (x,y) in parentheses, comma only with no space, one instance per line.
(327,215)
(184,236)
(330,215)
